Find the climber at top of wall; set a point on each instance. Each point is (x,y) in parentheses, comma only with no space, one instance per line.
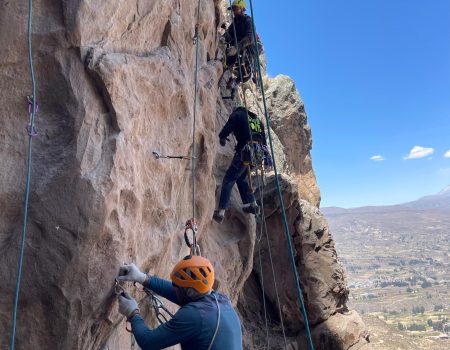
(206,319)
(240,122)
(239,43)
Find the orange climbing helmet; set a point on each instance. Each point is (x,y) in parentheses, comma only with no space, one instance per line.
(193,272)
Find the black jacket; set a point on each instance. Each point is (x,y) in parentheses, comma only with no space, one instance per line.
(238,125)
(244,32)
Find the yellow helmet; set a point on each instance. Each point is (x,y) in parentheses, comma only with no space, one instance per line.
(239,3)
(194,272)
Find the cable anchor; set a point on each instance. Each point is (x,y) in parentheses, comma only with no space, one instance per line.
(158,156)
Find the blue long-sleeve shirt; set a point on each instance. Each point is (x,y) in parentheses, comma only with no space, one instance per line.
(193,325)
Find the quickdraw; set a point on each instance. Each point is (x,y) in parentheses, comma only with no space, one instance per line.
(191,227)
(120,290)
(158,305)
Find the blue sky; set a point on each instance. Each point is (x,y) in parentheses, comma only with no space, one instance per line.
(375,79)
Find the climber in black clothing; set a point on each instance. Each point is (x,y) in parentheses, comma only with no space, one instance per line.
(244,32)
(244,47)
(240,122)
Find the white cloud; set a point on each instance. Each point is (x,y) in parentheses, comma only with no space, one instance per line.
(378,158)
(447,155)
(419,152)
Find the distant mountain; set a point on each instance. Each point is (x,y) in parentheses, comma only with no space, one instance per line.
(441,200)
(427,215)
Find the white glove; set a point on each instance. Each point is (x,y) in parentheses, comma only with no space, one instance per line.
(127,305)
(131,273)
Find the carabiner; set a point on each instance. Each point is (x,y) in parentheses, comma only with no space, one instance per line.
(118,289)
(191,225)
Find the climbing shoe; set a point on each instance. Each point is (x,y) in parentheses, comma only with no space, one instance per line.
(218,216)
(251,209)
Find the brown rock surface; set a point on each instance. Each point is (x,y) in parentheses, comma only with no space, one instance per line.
(321,277)
(288,120)
(114,83)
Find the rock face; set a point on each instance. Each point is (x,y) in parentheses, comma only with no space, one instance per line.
(288,120)
(291,132)
(321,278)
(115,83)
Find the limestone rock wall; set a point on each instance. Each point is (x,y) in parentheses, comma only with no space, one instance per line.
(115,83)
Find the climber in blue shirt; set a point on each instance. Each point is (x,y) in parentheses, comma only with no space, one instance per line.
(206,319)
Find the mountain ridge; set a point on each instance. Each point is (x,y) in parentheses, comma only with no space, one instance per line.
(440,200)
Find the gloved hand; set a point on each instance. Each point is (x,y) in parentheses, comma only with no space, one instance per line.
(127,305)
(232,51)
(223,142)
(131,273)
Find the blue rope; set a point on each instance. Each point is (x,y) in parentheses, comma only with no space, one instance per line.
(280,197)
(28,177)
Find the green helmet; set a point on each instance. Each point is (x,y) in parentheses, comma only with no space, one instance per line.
(239,3)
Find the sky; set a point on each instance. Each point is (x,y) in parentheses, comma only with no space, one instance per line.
(375,80)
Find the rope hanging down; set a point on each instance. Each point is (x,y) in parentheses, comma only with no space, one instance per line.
(261,202)
(263,224)
(31,134)
(191,225)
(196,43)
(280,197)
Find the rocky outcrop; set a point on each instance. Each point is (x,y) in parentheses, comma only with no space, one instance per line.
(115,83)
(291,132)
(321,278)
(288,120)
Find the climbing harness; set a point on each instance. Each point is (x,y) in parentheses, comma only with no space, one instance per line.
(240,72)
(31,133)
(158,156)
(280,197)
